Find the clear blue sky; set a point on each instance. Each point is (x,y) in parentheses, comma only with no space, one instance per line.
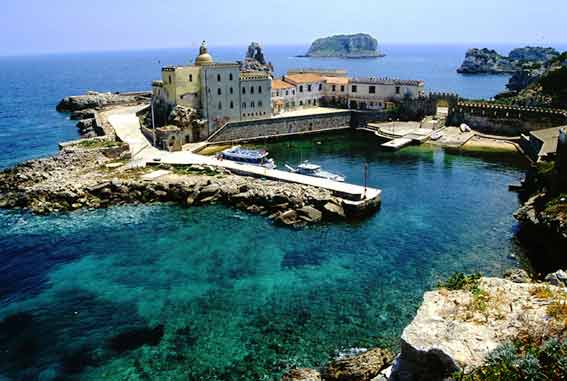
(33,26)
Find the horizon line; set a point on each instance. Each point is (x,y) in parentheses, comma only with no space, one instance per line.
(185,47)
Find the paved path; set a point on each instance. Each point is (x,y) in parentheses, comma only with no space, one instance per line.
(127,127)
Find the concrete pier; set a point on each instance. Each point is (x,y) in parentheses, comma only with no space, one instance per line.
(127,128)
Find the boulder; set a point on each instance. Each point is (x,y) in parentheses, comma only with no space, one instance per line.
(363,367)
(558,278)
(302,374)
(83,114)
(333,210)
(310,214)
(518,276)
(95,100)
(288,218)
(450,333)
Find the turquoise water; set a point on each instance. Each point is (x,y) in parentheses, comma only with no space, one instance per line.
(238,297)
(162,292)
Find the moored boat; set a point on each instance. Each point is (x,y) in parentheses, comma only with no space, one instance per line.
(248,156)
(314,170)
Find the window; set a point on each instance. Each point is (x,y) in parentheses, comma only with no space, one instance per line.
(320,86)
(259,89)
(190,77)
(334,87)
(231,90)
(286,93)
(220,106)
(230,77)
(219,91)
(354,89)
(309,101)
(301,89)
(251,89)
(293,91)
(170,79)
(342,88)
(309,88)
(259,103)
(301,103)
(231,104)
(244,90)
(252,105)
(397,89)
(372,90)
(218,77)
(244,105)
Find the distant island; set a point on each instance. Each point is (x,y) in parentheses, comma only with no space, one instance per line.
(488,61)
(345,46)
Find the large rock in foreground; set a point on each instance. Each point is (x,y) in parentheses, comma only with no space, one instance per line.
(456,330)
(345,46)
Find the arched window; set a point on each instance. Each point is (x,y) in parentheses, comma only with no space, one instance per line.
(231,90)
(231,104)
(259,89)
(244,90)
(218,77)
(230,77)
(220,106)
(219,91)
(190,77)
(251,89)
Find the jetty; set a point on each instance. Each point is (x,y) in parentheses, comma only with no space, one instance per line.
(400,134)
(127,128)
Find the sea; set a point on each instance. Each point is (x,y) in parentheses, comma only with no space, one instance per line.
(161,292)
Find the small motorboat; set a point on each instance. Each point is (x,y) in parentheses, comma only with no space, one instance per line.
(436,136)
(314,170)
(248,156)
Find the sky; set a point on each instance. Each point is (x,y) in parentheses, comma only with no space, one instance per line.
(43,26)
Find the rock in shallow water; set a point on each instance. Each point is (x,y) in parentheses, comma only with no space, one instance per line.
(363,367)
(302,374)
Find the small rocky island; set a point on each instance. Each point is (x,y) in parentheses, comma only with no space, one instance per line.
(489,61)
(345,46)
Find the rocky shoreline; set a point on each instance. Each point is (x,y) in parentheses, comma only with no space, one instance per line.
(94,174)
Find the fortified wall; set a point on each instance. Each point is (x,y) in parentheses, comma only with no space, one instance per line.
(505,120)
(419,108)
(280,127)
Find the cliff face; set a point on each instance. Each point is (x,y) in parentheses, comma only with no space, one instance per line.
(488,61)
(456,330)
(346,46)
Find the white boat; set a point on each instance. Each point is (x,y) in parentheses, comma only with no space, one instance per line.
(436,136)
(248,156)
(465,128)
(315,170)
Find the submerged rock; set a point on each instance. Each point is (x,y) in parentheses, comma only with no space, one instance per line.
(302,374)
(136,338)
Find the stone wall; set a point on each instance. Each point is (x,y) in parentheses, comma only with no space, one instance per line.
(505,120)
(274,127)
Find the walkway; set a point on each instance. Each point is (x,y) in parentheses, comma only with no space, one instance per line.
(127,127)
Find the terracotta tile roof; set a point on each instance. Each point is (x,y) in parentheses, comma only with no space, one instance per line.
(278,84)
(303,78)
(336,80)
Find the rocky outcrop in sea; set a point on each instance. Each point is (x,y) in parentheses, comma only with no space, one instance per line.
(345,46)
(94,174)
(489,61)
(255,60)
(96,100)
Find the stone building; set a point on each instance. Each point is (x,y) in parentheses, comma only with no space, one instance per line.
(308,88)
(283,96)
(255,95)
(218,92)
(373,93)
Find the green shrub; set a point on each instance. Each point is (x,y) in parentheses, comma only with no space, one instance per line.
(460,281)
(521,360)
